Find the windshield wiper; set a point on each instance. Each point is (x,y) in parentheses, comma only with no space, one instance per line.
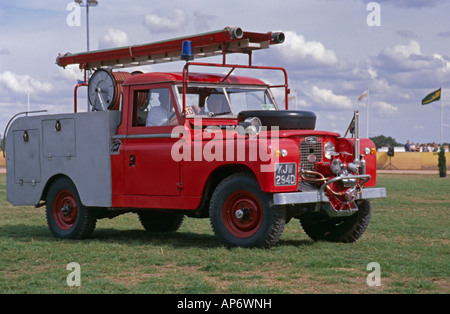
(212,114)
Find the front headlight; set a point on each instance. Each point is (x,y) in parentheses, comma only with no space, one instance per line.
(254,124)
(329,150)
(251,127)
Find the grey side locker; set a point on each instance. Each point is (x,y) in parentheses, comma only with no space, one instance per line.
(77,146)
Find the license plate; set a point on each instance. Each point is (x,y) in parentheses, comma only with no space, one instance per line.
(285,174)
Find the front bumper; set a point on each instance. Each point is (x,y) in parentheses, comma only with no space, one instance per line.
(317,196)
(322,201)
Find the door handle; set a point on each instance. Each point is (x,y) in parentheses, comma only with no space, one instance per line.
(132,160)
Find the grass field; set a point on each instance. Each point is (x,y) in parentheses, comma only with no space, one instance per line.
(408,237)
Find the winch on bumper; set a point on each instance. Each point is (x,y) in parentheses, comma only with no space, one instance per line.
(310,195)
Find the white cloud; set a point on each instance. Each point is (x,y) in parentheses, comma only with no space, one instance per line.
(445,63)
(405,66)
(71,73)
(161,24)
(114,38)
(384,109)
(404,51)
(297,49)
(23,83)
(372,72)
(327,99)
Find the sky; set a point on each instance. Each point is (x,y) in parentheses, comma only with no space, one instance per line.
(334,51)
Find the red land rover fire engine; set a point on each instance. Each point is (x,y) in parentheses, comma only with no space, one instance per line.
(170,145)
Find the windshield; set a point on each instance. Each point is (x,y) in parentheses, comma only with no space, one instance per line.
(225,101)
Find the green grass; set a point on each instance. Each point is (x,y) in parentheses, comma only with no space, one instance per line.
(408,236)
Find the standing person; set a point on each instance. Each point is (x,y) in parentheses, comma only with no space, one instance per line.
(407,146)
(435,147)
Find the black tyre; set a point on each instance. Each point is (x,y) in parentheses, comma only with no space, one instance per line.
(343,229)
(284,119)
(242,215)
(67,217)
(160,222)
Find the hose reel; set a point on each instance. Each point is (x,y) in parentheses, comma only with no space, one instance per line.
(104,89)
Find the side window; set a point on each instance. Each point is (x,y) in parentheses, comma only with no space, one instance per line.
(153,107)
(140,110)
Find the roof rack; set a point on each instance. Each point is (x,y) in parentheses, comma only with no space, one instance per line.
(221,42)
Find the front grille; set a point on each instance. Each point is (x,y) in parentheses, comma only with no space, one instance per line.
(308,146)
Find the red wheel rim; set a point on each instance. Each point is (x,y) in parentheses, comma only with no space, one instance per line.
(242,214)
(65,210)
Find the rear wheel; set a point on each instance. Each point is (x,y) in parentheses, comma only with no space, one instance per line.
(241,215)
(67,217)
(342,229)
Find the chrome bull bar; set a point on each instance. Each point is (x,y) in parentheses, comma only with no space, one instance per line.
(365,177)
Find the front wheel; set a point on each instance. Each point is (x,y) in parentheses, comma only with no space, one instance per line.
(344,229)
(67,217)
(242,215)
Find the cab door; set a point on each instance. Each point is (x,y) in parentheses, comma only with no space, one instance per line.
(149,169)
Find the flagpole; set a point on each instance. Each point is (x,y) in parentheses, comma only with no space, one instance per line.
(367,114)
(442,113)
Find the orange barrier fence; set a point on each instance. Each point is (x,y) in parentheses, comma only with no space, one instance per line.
(410,161)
